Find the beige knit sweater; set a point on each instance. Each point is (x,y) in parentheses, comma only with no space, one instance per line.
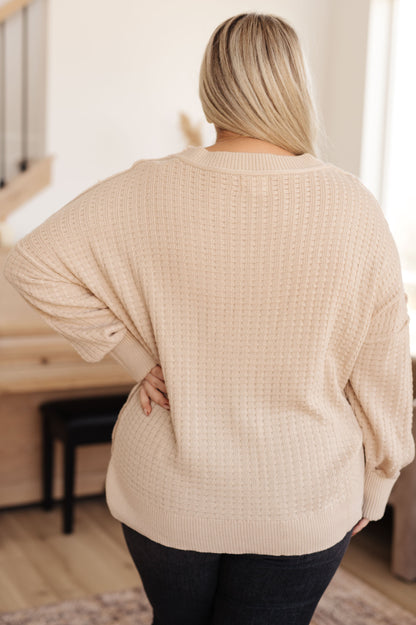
(269,290)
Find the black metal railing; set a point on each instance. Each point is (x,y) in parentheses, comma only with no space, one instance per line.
(8,12)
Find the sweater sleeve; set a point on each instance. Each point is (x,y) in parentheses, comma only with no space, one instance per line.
(380,391)
(48,272)
(131,355)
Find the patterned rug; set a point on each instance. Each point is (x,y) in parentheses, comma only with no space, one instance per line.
(346,601)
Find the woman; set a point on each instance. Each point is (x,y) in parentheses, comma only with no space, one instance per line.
(254,293)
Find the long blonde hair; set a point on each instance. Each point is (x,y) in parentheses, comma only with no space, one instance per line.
(254,81)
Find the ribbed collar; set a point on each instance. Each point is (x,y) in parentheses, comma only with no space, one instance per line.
(249,162)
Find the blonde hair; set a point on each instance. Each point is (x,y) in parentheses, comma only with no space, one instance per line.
(254,81)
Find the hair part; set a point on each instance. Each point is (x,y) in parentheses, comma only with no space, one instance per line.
(254,81)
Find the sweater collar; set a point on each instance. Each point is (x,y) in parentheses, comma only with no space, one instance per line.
(249,162)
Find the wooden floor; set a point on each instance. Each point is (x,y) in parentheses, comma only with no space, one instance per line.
(39,564)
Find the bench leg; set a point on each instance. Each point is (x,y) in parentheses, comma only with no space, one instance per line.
(69,472)
(47,465)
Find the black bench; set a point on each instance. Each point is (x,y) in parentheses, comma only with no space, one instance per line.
(75,421)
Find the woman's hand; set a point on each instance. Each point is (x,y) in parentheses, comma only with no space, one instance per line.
(153,387)
(360,525)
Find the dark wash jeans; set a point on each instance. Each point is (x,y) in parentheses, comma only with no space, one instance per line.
(198,588)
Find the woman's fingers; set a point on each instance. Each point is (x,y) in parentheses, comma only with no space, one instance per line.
(156,381)
(157,371)
(360,525)
(144,400)
(148,392)
(153,387)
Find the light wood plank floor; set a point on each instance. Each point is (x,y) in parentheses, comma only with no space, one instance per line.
(39,564)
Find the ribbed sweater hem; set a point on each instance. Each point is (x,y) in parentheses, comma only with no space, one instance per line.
(299,535)
(377,492)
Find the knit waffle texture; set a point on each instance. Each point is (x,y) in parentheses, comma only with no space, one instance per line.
(269,289)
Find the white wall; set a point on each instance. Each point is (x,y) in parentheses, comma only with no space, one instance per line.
(345,89)
(120,71)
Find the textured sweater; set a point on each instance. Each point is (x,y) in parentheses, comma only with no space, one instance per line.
(269,290)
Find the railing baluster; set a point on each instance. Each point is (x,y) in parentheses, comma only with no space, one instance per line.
(3,106)
(24,169)
(25,63)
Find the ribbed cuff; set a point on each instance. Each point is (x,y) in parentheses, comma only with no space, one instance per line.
(377,491)
(133,357)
